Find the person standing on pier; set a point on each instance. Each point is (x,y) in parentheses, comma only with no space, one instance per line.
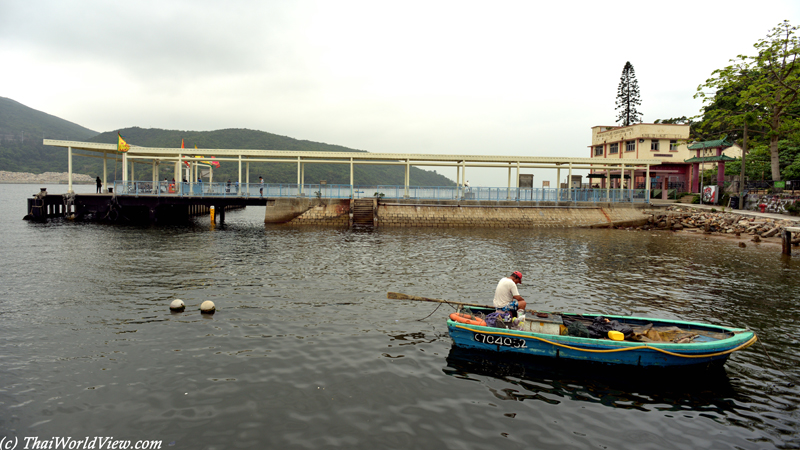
(261,188)
(506,295)
(99,185)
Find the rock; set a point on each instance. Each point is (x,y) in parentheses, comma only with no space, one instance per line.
(771,232)
(756,238)
(742,244)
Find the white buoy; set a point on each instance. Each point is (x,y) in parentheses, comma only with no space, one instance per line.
(208,307)
(177,305)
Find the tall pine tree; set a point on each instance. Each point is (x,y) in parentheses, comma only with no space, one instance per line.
(628,97)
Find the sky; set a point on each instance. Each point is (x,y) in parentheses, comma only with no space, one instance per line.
(511,78)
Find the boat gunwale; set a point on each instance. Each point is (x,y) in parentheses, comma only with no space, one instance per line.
(740,336)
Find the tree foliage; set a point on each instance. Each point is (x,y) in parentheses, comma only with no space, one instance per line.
(758,164)
(761,91)
(628,97)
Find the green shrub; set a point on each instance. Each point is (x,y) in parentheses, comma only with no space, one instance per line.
(793,208)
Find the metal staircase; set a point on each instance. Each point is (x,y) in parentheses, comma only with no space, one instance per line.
(363,212)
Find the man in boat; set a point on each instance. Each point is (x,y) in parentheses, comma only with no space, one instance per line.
(506,296)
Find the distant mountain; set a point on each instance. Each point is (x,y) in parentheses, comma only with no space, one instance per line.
(239,138)
(22,130)
(16,118)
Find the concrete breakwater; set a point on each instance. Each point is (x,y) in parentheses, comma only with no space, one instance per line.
(445,214)
(44,178)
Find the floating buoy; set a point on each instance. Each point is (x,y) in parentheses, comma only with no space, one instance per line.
(177,305)
(208,307)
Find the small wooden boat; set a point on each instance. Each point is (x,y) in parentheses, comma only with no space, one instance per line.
(653,342)
(650,342)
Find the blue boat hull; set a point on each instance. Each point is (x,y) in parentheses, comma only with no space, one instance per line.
(650,354)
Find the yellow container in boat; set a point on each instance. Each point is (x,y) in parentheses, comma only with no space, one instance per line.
(616,336)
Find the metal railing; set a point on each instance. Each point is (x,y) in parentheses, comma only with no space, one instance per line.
(342,191)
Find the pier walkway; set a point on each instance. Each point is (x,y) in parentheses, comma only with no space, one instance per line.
(156,198)
(185,163)
(343,191)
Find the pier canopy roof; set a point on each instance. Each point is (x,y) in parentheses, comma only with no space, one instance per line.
(153,155)
(416,159)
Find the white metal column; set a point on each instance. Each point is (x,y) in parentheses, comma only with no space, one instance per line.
(508,190)
(105,172)
(124,168)
(458,181)
(69,175)
(408,176)
(299,186)
(558,183)
(569,183)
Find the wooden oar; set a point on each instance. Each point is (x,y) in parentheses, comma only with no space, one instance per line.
(399,296)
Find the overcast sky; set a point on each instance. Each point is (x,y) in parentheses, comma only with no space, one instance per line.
(505,77)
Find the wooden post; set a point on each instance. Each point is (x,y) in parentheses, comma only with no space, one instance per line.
(787,242)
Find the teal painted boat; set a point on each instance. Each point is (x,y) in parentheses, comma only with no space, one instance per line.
(651,342)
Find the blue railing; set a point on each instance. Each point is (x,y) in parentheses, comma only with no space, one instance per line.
(274,190)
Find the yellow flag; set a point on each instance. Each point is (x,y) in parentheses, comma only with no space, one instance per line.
(122,146)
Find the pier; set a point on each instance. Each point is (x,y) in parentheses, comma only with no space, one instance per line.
(159,200)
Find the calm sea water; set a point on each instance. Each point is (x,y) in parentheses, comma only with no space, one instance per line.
(306,352)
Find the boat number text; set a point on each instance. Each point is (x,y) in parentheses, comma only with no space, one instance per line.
(505,341)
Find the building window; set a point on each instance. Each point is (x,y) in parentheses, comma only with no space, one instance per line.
(654,146)
(630,146)
(598,150)
(614,148)
(673,145)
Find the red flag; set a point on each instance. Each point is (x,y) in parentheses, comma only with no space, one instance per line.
(181,142)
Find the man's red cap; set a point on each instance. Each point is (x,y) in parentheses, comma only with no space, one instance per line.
(518,274)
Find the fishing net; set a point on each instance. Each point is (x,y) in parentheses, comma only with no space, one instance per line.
(502,319)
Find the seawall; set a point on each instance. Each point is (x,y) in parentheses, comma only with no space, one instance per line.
(417,213)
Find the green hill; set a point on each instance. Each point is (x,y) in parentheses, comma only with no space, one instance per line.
(272,172)
(22,130)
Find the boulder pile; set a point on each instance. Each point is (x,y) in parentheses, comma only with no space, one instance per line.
(721,223)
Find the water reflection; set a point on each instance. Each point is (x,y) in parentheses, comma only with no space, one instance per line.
(553,381)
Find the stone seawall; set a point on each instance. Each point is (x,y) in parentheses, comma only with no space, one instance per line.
(509,215)
(460,214)
(309,211)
